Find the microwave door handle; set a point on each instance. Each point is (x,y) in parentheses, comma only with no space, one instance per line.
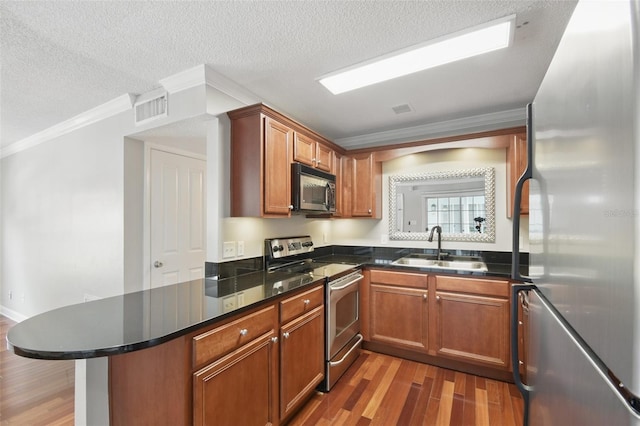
(327,196)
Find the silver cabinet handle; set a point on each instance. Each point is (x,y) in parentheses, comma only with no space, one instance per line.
(369,211)
(424,296)
(158,264)
(438,298)
(244,332)
(290,206)
(285,335)
(274,340)
(306,301)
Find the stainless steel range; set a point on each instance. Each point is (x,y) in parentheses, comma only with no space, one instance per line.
(342,310)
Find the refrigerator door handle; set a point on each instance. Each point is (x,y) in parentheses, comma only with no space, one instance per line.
(517,198)
(525,390)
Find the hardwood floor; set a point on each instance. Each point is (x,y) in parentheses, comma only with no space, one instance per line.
(383,390)
(377,390)
(34,392)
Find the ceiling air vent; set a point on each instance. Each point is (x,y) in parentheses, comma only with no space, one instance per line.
(401,109)
(150,106)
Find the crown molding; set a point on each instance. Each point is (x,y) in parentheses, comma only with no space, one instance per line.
(115,106)
(184,80)
(230,87)
(204,75)
(474,124)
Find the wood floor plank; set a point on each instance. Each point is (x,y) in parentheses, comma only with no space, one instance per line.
(469,411)
(394,399)
(34,392)
(482,408)
(420,410)
(381,390)
(446,403)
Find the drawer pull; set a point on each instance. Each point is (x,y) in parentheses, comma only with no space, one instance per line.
(438,298)
(306,301)
(274,340)
(244,332)
(424,296)
(285,335)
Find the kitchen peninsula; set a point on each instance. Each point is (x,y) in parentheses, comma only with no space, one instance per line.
(153,338)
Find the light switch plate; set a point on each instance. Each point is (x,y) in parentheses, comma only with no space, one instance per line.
(240,248)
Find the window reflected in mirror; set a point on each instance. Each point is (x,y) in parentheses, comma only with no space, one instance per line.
(461,202)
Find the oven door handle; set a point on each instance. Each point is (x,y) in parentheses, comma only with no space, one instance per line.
(355,345)
(341,287)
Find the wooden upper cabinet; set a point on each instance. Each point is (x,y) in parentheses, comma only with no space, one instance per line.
(366,189)
(516,165)
(277,168)
(312,153)
(261,156)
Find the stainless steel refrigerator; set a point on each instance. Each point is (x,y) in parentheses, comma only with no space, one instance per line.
(583,356)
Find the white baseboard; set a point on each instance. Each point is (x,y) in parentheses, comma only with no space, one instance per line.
(12,315)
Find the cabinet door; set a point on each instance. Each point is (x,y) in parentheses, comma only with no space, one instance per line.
(362,186)
(324,158)
(516,164)
(399,316)
(473,328)
(239,389)
(277,170)
(523,333)
(304,150)
(346,189)
(301,359)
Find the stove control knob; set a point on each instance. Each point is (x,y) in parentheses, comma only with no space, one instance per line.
(292,246)
(277,248)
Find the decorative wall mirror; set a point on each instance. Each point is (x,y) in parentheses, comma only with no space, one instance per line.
(462,202)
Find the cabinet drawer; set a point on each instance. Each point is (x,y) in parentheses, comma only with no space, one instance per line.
(473,285)
(301,303)
(221,340)
(405,279)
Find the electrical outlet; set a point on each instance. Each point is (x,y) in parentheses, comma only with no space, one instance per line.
(240,248)
(228,249)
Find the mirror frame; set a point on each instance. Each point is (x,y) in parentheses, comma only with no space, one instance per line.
(489,233)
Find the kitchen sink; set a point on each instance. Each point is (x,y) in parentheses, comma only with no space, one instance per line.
(458,265)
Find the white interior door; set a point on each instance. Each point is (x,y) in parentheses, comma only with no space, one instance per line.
(177,188)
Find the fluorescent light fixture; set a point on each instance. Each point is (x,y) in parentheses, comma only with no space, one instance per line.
(474,41)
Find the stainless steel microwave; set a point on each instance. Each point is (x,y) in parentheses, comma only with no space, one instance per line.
(312,190)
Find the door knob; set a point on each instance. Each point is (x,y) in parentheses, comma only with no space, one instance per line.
(158,264)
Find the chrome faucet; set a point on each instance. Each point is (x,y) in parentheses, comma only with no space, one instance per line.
(439,229)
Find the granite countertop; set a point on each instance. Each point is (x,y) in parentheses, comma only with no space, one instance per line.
(143,319)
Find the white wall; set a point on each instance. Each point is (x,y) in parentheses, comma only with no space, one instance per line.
(63,220)
(69,215)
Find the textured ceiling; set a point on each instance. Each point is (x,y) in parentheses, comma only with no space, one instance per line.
(59,58)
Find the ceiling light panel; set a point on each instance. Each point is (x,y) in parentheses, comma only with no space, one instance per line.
(474,41)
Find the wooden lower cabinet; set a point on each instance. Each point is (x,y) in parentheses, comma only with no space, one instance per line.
(239,389)
(456,322)
(301,359)
(399,316)
(473,328)
(254,368)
